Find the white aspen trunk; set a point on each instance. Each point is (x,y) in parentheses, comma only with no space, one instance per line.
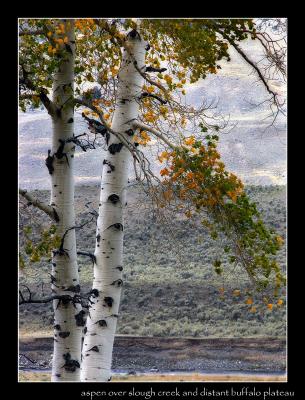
(67,316)
(102,321)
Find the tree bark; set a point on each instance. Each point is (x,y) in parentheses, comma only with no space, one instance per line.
(102,320)
(65,280)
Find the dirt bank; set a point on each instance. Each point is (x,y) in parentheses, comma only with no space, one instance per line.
(160,354)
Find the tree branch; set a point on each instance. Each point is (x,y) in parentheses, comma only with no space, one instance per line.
(88,104)
(33,32)
(41,92)
(251,63)
(145,76)
(46,299)
(140,125)
(50,211)
(115,39)
(145,94)
(154,69)
(87,254)
(64,298)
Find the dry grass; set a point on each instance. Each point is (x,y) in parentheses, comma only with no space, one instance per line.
(34,376)
(26,333)
(202,378)
(45,377)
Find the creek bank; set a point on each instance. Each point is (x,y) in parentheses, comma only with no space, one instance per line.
(141,354)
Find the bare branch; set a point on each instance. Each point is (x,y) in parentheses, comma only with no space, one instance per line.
(154,69)
(145,94)
(144,127)
(250,62)
(145,76)
(62,298)
(87,254)
(33,32)
(50,211)
(30,300)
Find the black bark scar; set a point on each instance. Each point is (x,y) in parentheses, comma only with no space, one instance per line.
(102,323)
(129,132)
(112,167)
(49,162)
(94,293)
(117,283)
(108,301)
(94,348)
(80,321)
(64,334)
(115,148)
(70,365)
(114,198)
(72,288)
(117,226)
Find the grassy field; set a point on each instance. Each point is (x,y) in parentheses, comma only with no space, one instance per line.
(170,287)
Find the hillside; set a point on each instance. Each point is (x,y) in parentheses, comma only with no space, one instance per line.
(170,287)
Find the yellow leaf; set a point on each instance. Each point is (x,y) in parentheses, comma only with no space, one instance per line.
(249,301)
(145,136)
(232,195)
(163,110)
(164,172)
(168,79)
(168,194)
(190,175)
(270,306)
(163,156)
(114,71)
(279,240)
(150,89)
(150,117)
(189,141)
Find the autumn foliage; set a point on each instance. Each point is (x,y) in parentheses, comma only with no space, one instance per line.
(195,176)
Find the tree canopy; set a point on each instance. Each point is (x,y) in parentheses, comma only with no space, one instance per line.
(193,178)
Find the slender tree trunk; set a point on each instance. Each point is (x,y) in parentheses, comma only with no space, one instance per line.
(102,320)
(65,278)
